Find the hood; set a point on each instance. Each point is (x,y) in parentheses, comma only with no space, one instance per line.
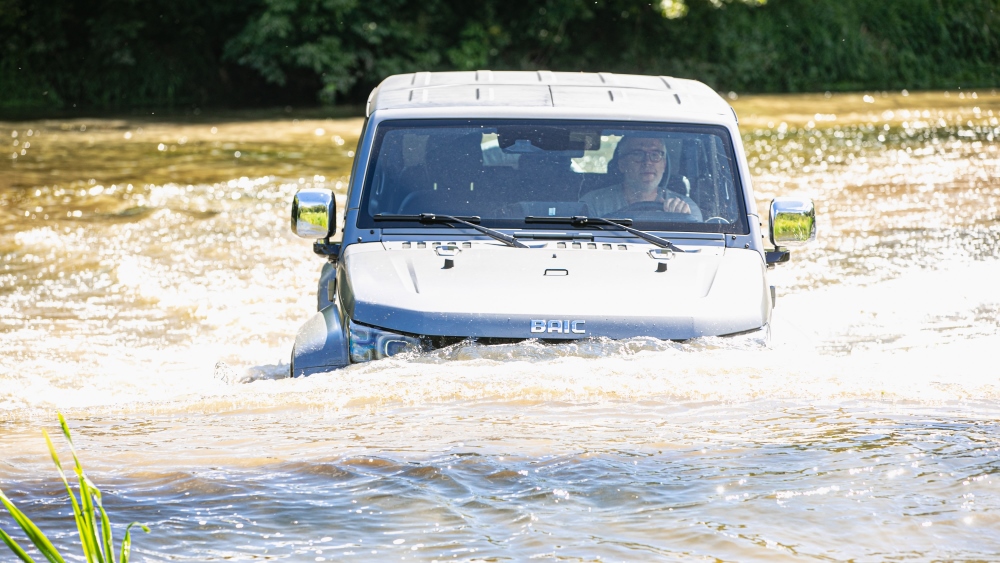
(553,290)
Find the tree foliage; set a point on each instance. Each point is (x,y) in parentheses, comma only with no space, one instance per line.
(132,53)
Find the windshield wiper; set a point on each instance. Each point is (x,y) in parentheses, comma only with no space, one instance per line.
(582,220)
(467,221)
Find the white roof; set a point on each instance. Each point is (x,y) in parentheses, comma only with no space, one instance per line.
(616,93)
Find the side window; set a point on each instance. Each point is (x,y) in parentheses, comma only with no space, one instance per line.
(357,157)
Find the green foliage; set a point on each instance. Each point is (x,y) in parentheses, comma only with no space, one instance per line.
(861,44)
(317,218)
(91,520)
(115,53)
(793,228)
(130,54)
(746,45)
(341,41)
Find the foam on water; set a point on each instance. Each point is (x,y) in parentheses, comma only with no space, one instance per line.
(924,337)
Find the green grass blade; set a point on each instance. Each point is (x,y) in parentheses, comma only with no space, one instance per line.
(20,553)
(86,524)
(127,541)
(62,475)
(77,512)
(31,530)
(88,511)
(109,547)
(91,544)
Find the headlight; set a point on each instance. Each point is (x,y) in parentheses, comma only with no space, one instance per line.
(368,343)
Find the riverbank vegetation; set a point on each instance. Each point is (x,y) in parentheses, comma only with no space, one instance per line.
(67,55)
(92,522)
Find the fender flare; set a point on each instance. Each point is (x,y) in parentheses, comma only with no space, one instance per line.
(320,345)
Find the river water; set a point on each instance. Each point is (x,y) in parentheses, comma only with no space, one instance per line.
(150,290)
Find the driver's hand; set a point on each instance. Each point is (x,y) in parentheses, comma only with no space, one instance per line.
(676,205)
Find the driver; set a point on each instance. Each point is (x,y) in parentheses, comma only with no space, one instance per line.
(642,162)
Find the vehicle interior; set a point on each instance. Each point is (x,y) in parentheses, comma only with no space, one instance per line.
(505,172)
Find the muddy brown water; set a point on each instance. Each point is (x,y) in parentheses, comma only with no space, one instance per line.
(150,290)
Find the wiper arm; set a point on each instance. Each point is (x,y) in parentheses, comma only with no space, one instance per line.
(582,220)
(467,221)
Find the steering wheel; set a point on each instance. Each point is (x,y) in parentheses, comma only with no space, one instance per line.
(652,210)
(718,220)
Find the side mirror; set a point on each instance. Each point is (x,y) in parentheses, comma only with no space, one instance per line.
(793,221)
(314,213)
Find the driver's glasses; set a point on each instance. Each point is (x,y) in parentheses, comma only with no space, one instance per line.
(638,156)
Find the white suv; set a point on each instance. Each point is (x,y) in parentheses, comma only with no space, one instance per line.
(504,206)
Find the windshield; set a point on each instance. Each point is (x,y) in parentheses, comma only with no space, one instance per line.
(661,176)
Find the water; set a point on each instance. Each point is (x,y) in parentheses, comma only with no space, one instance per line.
(150,290)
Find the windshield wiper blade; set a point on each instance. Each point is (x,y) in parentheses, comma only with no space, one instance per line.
(582,220)
(467,221)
